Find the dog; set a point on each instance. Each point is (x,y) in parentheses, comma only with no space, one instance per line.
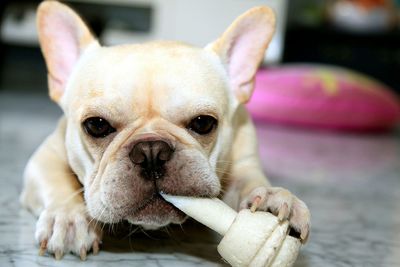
(141,119)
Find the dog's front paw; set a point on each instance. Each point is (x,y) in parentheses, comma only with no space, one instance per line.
(283,204)
(63,230)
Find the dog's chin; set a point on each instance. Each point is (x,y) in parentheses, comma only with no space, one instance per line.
(155,214)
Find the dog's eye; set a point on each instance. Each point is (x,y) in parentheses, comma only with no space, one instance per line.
(202,124)
(98,127)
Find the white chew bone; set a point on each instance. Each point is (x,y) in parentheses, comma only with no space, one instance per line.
(213,213)
(249,238)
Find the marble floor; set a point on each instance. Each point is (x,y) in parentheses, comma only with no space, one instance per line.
(350,182)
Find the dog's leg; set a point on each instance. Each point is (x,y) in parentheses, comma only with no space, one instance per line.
(250,188)
(53,193)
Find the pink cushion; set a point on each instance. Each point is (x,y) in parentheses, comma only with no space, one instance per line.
(322,96)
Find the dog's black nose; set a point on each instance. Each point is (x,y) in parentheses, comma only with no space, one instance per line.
(151,156)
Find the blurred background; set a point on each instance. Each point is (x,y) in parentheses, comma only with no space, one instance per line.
(364,37)
(326,108)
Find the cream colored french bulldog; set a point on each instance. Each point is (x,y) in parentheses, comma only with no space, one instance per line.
(141,119)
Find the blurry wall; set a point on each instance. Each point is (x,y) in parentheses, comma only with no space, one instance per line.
(363,35)
(123,21)
(308,36)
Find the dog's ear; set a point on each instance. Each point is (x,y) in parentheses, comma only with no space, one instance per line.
(63,38)
(242,47)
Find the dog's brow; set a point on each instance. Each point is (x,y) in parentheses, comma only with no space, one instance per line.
(207,111)
(107,111)
(205,108)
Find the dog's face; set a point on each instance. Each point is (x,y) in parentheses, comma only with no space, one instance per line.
(149,118)
(145,119)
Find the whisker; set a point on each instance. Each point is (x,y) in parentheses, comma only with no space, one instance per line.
(72,195)
(104,225)
(111,228)
(225,162)
(181,226)
(145,233)
(166,229)
(223,172)
(91,219)
(101,214)
(115,227)
(131,232)
(129,237)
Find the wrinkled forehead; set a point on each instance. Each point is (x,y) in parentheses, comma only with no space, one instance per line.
(158,76)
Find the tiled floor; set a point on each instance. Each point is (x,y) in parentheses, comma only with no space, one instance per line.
(350,182)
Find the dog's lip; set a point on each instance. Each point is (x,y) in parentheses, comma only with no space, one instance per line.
(150,200)
(155,211)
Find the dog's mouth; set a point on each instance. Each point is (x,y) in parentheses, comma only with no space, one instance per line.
(154,198)
(155,212)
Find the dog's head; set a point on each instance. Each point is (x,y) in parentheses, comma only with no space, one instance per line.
(148,118)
